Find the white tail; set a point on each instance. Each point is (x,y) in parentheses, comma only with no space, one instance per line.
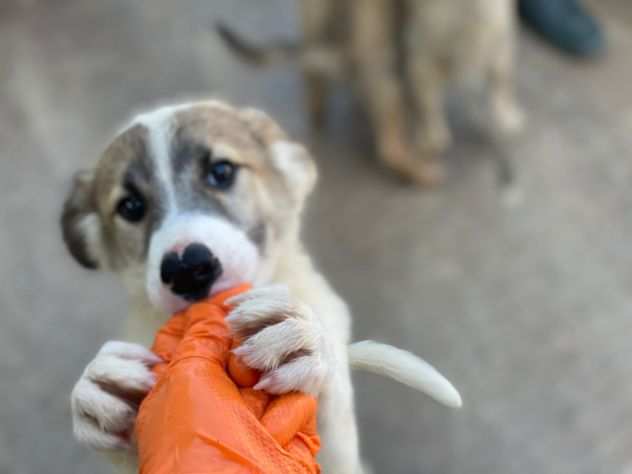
(405,368)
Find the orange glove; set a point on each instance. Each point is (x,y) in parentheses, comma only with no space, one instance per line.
(203,416)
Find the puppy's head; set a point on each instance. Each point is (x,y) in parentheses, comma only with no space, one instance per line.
(191,200)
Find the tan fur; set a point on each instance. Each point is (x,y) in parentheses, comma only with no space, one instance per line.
(443,40)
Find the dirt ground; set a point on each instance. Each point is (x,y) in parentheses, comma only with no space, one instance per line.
(526,308)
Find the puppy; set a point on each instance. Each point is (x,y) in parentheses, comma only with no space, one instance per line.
(193,199)
(436,41)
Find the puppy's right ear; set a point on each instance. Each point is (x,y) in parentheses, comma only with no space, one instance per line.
(80,223)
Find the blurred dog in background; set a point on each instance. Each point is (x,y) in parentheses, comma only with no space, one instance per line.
(389,47)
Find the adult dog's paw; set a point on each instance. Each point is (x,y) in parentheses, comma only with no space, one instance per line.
(280,337)
(105,400)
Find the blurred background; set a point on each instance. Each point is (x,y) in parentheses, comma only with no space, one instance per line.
(526,309)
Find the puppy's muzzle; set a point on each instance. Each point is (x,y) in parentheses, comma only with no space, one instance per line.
(192,275)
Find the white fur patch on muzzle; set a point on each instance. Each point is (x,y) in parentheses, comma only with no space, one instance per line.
(238,256)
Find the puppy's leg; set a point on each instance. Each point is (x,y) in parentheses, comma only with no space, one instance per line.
(374,55)
(317,18)
(288,342)
(336,421)
(280,337)
(123,462)
(507,116)
(105,399)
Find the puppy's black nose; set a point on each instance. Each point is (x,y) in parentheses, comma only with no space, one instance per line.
(192,275)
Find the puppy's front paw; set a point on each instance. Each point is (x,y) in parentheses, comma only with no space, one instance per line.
(280,337)
(105,400)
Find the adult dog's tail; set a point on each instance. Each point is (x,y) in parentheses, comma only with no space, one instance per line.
(317,58)
(405,368)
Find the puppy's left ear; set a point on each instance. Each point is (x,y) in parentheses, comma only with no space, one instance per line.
(80,223)
(290,158)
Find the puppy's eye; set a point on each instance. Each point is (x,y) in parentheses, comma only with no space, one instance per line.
(221,174)
(131,208)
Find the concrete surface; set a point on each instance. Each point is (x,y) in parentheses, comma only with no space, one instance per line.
(526,308)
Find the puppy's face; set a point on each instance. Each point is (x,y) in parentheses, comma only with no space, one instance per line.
(190,200)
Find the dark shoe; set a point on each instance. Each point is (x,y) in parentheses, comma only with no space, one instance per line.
(565,24)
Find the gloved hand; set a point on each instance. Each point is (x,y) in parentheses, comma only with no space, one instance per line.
(203,416)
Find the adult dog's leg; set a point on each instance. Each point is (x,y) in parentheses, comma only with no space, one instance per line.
(433,134)
(374,56)
(506,114)
(317,16)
